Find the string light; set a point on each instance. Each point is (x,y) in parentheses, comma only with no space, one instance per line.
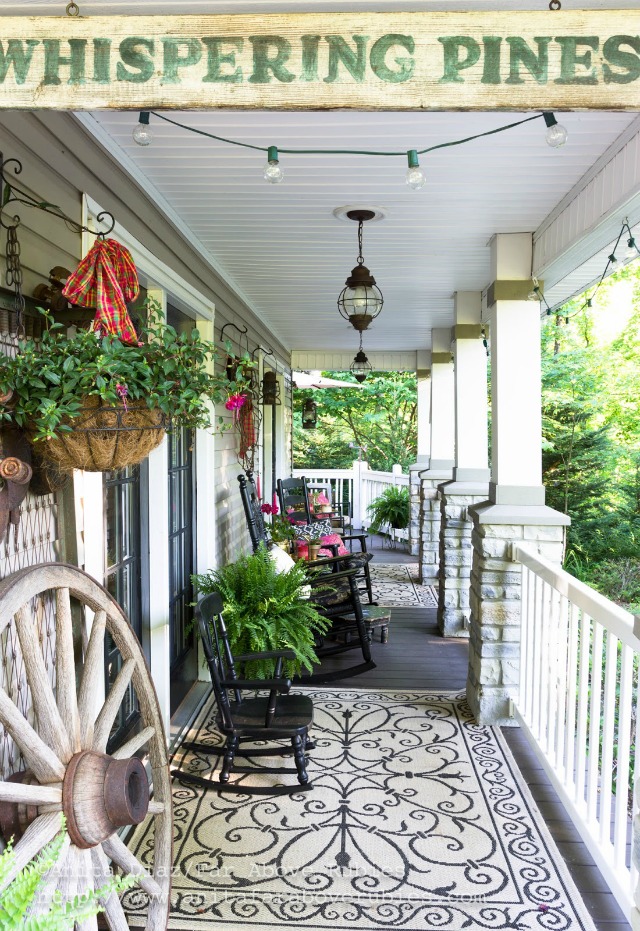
(418,178)
(632,250)
(272,171)
(415,176)
(142,133)
(556,133)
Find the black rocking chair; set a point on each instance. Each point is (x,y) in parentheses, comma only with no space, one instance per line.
(334,592)
(277,716)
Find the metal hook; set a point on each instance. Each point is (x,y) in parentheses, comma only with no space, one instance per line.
(242,330)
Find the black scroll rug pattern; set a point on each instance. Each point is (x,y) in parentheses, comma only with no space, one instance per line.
(416,821)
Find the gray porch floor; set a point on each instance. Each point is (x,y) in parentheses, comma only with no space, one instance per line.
(416,656)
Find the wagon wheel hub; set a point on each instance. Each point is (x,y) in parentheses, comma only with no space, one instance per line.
(101,794)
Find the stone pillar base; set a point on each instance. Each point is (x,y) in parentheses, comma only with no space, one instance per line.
(494,635)
(415,505)
(455,554)
(430,524)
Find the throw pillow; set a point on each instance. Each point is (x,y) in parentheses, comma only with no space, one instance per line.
(317,528)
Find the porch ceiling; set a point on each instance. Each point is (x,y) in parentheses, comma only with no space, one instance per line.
(281,247)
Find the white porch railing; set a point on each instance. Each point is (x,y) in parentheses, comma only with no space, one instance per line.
(578,703)
(356,488)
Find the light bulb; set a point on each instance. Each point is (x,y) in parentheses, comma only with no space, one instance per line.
(556,134)
(612,259)
(142,133)
(272,171)
(632,250)
(415,176)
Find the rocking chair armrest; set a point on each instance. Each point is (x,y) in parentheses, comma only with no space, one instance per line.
(355,536)
(331,577)
(275,685)
(265,654)
(325,561)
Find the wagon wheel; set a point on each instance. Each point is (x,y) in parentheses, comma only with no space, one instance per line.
(68,769)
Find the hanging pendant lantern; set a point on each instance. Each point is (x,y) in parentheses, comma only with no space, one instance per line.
(270,389)
(361,300)
(309,415)
(360,367)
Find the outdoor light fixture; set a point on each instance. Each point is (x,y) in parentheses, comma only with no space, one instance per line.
(632,249)
(142,133)
(361,301)
(309,415)
(556,133)
(273,173)
(612,258)
(270,388)
(360,367)
(415,176)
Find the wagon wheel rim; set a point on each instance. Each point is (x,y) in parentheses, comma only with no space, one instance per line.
(69,735)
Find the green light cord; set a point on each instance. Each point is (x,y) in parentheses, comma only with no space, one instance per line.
(403,154)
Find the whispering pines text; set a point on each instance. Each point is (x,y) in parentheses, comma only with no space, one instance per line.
(260,59)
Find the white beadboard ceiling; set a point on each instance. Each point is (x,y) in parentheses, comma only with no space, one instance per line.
(280,244)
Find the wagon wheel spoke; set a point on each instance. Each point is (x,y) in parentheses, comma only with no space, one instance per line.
(50,723)
(65,669)
(109,710)
(91,676)
(50,880)
(37,835)
(132,746)
(112,907)
(156,808)
(38,756)
(22,794)
(121,855)
(86,884)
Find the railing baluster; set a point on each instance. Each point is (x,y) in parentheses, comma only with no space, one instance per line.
(623,768)
(572,685)
(525,622)
(537,659)
(608,730)
(543,711)
(595,703)
(583,704)
(561,682)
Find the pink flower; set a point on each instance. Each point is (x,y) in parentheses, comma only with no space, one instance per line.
(122,392)
(268,509)
(235,401)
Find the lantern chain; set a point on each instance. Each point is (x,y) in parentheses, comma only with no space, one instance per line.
(360,256)
(73,9)
(14,277)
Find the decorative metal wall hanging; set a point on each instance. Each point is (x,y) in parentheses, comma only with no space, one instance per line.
(361,300)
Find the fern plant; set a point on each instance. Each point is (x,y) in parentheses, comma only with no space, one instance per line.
(266,610)
(391,507)
(21,895)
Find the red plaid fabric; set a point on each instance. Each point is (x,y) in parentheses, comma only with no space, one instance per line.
(106,279)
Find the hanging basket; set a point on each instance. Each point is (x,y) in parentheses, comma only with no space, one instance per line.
(104,439)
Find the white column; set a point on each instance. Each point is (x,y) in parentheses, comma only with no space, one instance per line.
(423,374)
(470,376)
(442,402)
(516,464)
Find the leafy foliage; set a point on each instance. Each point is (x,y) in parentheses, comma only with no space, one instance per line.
(22,893)
(379,417)
(266,610)
(171,371)
(391,508)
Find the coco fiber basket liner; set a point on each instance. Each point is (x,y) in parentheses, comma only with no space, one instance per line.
(105,438)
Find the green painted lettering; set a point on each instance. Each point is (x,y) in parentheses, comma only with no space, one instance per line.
(354,62)
(102,61)
(404,64)
(136,52)
(264,66)
(173,60)
(18,56)
(569,59)
(491,60)
(620,59)
(536,65)
(453,64)
(310,58)
(53,60)
(216,58)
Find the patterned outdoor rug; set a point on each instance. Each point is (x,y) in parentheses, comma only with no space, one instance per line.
(418,819)
(397,584)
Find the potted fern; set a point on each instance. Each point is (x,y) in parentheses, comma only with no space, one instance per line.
(266,610)
(390,509)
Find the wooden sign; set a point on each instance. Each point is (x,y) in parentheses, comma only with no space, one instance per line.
(370,61)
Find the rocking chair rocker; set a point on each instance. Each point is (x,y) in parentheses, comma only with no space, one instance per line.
(334,592)
(275,717)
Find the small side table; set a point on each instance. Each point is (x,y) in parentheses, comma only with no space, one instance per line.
(374,618)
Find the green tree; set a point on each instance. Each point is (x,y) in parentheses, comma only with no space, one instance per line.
(380,418)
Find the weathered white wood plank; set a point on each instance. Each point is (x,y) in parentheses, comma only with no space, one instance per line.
(88,693)
(121,855)
(38,755)
(132,746)
(65,670)
(109,710)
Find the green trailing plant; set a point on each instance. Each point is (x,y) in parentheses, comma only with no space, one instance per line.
(390,508)
(282,530)
(22,893)
(173,372)
(266,610)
